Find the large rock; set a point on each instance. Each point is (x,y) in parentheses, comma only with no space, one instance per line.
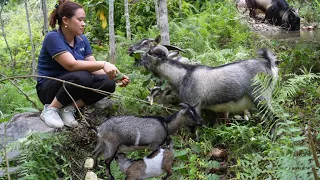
(22,124)
(18,127)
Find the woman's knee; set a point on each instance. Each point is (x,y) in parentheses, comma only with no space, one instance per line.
(103,82)
(83,78)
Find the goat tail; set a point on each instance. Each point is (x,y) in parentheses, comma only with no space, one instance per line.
(269,56)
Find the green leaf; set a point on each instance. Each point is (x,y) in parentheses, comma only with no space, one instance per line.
(138,54)
(181,153)
(298,138)
(146,83)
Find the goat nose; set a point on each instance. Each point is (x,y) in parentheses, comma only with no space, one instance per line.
(130,51)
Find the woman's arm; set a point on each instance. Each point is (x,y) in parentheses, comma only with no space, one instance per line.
(98,72)
(124,81)
(71,64)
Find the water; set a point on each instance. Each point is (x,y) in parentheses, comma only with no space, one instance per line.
(302,35)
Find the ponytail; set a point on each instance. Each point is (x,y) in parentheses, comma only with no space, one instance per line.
(64,8)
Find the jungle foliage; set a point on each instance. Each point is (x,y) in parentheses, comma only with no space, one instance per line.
(213,33)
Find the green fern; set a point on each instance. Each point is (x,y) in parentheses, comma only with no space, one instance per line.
(290,156)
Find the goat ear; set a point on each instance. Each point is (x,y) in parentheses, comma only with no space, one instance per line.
(196,105)
(158,39)
(173,48)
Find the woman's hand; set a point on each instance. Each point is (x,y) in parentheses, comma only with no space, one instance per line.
(124,81)
(111,70)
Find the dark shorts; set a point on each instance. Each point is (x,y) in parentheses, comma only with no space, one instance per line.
(49,89)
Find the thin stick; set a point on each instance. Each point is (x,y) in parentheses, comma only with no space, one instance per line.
(83,118)
(84,87)
(4,146)
(315,174)
(312,147)
(5,151)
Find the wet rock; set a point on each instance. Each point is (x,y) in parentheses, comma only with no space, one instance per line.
(217,153)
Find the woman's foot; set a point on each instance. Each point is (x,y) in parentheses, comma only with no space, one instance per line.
(67,116)
(50,116)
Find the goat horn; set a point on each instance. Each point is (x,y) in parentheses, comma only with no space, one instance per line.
(159,49)
(173,54)
(185,105)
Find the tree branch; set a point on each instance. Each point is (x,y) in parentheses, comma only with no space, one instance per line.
(27,97)
(84,87)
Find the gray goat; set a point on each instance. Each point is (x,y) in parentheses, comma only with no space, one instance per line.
(226,88)
(145,44)
(129,133)
(166,95)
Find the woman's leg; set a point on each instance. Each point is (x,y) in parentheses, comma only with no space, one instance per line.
(53,93)
(101,82)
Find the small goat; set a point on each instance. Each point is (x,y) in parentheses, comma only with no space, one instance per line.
(129,133)
(165,96)
(153,165)
(226,88)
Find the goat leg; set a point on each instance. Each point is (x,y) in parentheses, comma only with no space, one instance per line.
(108,171)
(98,150)
(168,175)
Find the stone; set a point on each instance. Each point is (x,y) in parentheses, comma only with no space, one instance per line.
(21,125)
(18,127)
(91,176)
(89,163)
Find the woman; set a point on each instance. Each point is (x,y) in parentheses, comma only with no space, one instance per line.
(66,54)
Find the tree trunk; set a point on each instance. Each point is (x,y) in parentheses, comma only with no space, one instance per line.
(163,20)
(126,14)
(33,64)
(45,16)
(111,32)
(5,39)
(156,7)
(180,8)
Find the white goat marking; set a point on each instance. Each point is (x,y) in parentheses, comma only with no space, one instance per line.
(274,71)
(234,106)
(154,165)
(137,138)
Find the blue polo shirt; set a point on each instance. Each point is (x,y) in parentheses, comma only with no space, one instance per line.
(54,44)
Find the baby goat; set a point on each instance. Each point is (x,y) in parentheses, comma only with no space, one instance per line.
(129,133)
(153,165)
